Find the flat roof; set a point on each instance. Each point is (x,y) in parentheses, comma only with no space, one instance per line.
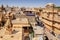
(20,20)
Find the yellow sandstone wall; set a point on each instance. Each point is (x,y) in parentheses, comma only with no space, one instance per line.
(47,18)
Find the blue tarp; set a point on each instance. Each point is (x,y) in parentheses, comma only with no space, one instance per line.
(30,14)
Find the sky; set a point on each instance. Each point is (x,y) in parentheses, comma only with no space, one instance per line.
(29,3)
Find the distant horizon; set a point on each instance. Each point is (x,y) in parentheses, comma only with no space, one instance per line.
(28,3)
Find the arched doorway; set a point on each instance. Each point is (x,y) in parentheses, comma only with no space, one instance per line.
(28,33)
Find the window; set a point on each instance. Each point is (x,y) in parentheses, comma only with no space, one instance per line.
(58,14)
(48,14)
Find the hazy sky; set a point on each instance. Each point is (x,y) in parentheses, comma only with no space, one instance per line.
(29,3)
